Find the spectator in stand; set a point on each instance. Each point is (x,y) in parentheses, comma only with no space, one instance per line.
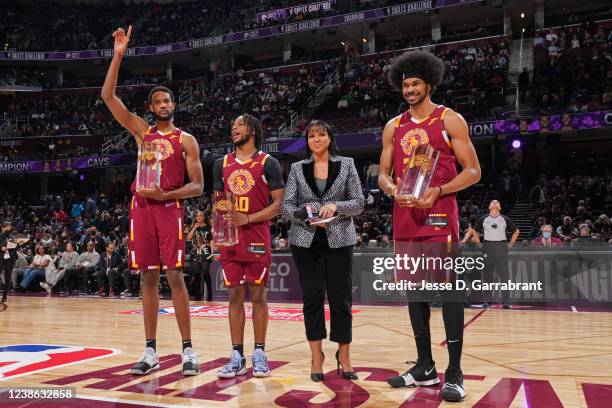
(546,238)
(85,268)
(36,268)
(108,270)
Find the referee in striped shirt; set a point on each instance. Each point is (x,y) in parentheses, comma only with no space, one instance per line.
(495,228)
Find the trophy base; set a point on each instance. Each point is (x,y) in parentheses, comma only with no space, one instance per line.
(225,244)
(145,190)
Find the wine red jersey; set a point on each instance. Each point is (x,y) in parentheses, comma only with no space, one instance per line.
(170,144)
(410,132)
(248,183)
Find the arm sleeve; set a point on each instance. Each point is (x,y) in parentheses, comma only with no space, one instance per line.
(218,175)
(510,225)
(274,174)
(479,225)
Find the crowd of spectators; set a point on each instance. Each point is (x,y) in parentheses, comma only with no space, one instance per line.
(270,95)
(572,69)
(473,84)
(45,26)
(574,209)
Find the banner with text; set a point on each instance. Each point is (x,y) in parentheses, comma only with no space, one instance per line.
(408,8)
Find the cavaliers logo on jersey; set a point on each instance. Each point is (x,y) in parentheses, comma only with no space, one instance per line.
(412,139)
(164,147)
(241,181)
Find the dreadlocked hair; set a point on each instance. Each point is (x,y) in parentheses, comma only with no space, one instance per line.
(254,127)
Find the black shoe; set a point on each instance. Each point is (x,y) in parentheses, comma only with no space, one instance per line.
(4,299)
(486,305)
(506,306)
(453,390)
(419,374)
(317,377)
(347,375)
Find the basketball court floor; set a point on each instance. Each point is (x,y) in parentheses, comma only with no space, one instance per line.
(524,357)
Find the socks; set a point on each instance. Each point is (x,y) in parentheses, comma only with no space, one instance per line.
(239,348)
(419,318)
(151,343)
(186,343)
(261,346)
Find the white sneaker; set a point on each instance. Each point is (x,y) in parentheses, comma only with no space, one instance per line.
(148,362)
(190,362)
(46,286)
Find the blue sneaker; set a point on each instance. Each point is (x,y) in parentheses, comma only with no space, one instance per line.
(236,366)
(260,363)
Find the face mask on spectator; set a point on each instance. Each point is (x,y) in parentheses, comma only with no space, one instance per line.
(546,234)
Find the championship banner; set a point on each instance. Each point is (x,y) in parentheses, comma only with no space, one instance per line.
(408,8)
(283,13)
(79,163)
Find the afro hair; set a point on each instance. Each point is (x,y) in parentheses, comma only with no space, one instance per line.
(421,64)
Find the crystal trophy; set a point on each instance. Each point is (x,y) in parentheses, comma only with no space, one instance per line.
(224,233)
(418,172)
(148,168)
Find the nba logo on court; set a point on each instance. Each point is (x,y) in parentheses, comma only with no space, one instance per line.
(18,360)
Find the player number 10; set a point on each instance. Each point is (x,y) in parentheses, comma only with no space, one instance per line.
(243,204)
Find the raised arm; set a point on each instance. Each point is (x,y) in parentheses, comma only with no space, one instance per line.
(133,123)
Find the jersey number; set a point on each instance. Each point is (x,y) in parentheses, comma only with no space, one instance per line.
(243,204)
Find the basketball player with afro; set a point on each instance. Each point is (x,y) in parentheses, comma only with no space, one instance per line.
(433,221)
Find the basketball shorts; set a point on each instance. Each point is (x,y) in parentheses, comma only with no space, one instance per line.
(428,259)
(238,273)
(156,235)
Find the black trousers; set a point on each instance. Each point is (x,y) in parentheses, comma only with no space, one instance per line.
(111,279)
(201,270)
(496,263)
(6,267)
(323,269)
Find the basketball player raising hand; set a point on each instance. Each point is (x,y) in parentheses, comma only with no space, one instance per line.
(157,240)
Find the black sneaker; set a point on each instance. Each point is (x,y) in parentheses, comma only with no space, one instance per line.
(4,299)
(419,374)
(148,362)
(453,391)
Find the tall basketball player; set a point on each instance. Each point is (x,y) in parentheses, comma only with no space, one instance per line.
(433,219)
(156,217)
(255,178)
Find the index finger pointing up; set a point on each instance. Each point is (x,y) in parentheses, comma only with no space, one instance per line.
(129,33)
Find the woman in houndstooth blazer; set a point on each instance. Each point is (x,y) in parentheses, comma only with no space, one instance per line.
(324,185)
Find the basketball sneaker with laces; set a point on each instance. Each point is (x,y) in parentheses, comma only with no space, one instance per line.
(148,362)
(419,374)
(236,366)
(453,390)
(190,362)
(260,363)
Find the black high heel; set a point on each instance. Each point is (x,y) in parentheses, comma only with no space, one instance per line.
(318,377)
(347,375)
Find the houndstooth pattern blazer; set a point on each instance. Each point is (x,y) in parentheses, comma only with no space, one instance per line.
(343,189)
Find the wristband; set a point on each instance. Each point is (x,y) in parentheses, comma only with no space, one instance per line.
(440,193)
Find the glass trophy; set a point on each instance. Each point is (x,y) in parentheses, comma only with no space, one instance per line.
(224,233)
(148,168)
(418,172)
